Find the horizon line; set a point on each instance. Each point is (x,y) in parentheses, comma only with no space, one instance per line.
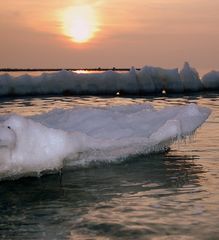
(59,69)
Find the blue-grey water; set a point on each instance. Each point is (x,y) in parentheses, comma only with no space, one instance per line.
(168,196)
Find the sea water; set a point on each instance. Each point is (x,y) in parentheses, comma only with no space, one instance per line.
(165,196)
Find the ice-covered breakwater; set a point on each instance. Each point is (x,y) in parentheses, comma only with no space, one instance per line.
(148,80)
(82,135)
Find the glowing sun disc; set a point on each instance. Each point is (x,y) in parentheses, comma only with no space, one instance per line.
(80,23)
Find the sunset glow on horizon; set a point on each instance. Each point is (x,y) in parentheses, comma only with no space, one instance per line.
(119,33)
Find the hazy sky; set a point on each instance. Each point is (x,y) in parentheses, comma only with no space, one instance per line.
(125,33)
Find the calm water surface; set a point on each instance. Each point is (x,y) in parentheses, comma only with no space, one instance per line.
(168,196)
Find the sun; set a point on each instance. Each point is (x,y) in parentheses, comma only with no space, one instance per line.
(80,23)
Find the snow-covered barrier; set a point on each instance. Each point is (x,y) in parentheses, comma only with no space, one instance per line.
(81,135)
(210,80)
(155,80)
(190,79)
(148,80)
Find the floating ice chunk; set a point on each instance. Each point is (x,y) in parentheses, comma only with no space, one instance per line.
(7,144)
(190,79)
(210,80)
(7,137)
(170,131)
(80,135)
(36,148)
(191,117)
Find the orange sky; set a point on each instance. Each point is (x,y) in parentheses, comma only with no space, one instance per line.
(127,33)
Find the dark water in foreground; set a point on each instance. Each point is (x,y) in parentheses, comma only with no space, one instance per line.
(169,196)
